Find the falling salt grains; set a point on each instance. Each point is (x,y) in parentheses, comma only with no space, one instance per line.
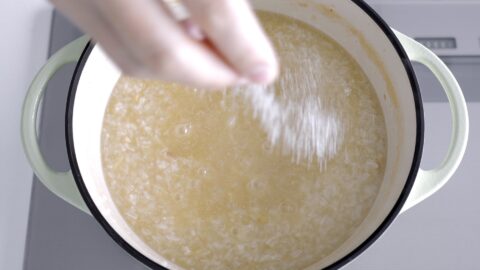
(298,122)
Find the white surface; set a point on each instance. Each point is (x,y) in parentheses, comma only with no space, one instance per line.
(24,28)
(424,238)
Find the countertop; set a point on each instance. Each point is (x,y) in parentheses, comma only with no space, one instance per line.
(440,233)
(24,28)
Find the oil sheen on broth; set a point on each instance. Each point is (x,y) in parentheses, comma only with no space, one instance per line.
(192,173)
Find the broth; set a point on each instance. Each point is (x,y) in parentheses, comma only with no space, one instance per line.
(193,174)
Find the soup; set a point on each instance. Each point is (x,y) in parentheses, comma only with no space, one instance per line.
(193,174)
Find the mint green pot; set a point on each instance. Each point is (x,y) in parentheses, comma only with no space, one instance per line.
(384,54)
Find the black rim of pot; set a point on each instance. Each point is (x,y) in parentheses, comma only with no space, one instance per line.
(347,258)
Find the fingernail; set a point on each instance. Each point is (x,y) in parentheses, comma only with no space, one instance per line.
(260,74)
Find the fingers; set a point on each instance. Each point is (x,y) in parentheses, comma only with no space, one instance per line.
(235,32)
(193,30)
(163,47)
(220,45)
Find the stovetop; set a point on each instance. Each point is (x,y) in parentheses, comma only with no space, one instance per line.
(440,233)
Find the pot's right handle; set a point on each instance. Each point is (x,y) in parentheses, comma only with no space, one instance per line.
(428,182)
(61,184)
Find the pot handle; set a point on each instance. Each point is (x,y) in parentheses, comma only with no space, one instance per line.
(428,182)
(61,184)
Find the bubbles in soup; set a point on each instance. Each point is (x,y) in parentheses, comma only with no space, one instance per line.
(192,175)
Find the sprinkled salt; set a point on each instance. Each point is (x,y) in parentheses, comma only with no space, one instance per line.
(297,122)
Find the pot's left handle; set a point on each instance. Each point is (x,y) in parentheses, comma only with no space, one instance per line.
(61,184)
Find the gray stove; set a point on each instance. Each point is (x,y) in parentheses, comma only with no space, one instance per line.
(440,233)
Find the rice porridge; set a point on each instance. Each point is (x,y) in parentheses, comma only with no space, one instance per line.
(193,174)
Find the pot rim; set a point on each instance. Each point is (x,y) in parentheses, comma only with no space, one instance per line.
(341,262)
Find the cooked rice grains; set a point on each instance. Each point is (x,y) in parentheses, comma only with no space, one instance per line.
(195,175)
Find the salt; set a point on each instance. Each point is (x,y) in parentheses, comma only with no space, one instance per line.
(297,122)
(267,212)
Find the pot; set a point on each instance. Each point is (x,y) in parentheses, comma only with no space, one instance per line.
(385,56)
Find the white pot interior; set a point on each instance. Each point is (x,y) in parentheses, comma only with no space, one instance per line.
(343,21)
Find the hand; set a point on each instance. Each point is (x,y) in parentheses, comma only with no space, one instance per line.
(220,44)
